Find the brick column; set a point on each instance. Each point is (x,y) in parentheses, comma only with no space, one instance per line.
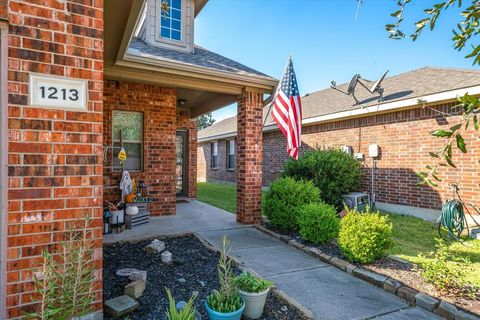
(249,157)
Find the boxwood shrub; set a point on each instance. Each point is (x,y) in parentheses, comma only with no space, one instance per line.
(365,237)
(318,222)
(284,198)
(333,171)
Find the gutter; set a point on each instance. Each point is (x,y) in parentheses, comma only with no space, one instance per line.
(431,99)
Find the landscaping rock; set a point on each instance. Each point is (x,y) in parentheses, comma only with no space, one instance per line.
(371,277)
(296,244)
(126,272)
(391,286)
(202,283)
(166,257)
(339,263)
(135,289)
(156,246)
(446,310)
(462,315)
(120,306)
(182,280)
(138,275)
(426,302)
(407,294)
(324,257)
(350,267)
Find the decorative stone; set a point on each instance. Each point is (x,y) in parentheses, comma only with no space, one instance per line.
(371,277)
(120,306)
(462,315)
(182,280)
(350,267)
(325,257)
(339,263)
(135,289)
(426,302)
(296,244)
(202,283)
(138,275)
(126,272)
(180,305)
(156,246)
(166,257)
(407,294)
(391,286)
(446,310)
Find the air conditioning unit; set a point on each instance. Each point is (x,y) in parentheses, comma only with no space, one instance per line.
(357,200)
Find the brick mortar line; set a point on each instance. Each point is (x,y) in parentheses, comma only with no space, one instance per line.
(317,253)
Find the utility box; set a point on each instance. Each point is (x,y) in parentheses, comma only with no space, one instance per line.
(357,200)
(347,149)
(373,151)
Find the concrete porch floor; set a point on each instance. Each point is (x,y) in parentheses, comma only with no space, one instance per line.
(329,293)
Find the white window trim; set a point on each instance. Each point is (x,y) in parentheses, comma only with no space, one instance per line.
(230,152)
(158,16)
(129,141)
(214,153)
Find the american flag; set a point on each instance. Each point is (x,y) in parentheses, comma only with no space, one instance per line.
(287,110)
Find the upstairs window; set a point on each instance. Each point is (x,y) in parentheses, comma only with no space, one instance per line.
(214,151)
(128,131)
(230,154)
(171,21)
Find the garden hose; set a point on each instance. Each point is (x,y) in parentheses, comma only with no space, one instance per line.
(453,219)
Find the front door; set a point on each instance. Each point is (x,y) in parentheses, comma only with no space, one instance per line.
(181,163)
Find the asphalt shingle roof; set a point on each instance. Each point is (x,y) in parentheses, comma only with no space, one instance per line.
(201,57)
(413,84)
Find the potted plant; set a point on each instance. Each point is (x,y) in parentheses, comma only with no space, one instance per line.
(225,303)
(185,312)
(254,292)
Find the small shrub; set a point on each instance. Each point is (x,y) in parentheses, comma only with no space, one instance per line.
(332,171)
(186,313)
(284,198)
(447,272)
(249,283)
(365,237)
(318,222)
(227,298)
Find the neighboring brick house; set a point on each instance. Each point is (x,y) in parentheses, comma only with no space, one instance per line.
(73,75)
(415,103)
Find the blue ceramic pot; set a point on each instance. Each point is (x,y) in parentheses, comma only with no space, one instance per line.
(214,315)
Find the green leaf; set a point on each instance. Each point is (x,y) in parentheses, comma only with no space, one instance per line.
(441,133)
(456,127)
(461,143)
(434,155)
(420,24)
(396,14)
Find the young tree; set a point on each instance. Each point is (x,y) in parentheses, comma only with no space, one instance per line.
(204,121)
(466,32)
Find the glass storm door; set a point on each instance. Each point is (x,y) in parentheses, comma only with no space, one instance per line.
(181,163)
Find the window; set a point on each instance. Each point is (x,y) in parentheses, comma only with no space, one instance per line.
(230,154)
(128,129)
(171,21)
(214,151)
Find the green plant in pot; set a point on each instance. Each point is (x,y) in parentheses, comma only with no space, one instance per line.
(254,292)
(225,303)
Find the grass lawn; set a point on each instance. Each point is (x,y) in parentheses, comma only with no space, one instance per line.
(413,236)
(220,195)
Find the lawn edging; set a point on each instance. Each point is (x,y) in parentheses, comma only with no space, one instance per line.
(395,287)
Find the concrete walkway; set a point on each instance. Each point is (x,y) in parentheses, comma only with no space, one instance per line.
(329,293)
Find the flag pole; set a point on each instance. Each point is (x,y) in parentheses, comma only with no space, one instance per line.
(269,100)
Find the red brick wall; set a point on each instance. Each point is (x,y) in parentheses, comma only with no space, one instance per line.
(3,9)
(206,172)
(405,142)
(55,156)
(161,120)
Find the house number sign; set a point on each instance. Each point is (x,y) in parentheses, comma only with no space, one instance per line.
(58,92)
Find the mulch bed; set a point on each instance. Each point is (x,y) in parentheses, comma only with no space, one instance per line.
(403,272)
(194,269)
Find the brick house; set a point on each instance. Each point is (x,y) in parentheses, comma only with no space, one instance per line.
(78,79)
(415,103)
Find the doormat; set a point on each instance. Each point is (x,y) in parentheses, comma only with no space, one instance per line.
(182,201)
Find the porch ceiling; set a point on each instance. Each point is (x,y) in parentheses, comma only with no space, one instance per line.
(203,89)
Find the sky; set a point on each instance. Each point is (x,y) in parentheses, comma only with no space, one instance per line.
(324,39)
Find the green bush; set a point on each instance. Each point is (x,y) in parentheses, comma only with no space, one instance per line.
(284,198)
(333,171)
(365,237)
(318,222)
(247,282)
